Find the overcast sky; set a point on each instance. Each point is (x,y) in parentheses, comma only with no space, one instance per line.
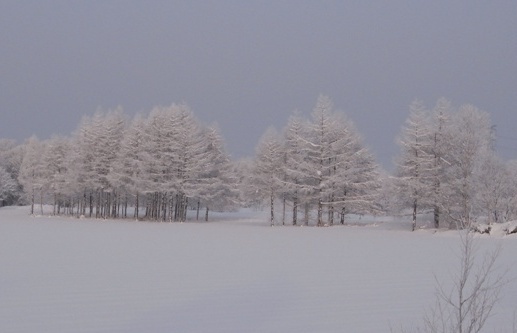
(249,64)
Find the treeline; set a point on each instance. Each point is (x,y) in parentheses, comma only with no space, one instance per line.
(448,168)
(315,171)
(161,164)
(448,165)
(316,165)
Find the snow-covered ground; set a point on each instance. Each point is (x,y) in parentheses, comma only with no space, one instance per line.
(236,274)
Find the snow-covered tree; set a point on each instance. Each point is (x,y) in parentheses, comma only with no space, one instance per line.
(416,163)
(8,186)
(32,173)
(125,173)
(294,158)
(217,184)
(55,163)
(173,157)
(356,180)
(11,156)
(267,171)
(320,165)
(510,199)
(97,142)
(327,166)
(440,136)
(471,140)
(249,196)
(492,187)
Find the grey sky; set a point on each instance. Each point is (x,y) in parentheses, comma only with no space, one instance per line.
(249,64)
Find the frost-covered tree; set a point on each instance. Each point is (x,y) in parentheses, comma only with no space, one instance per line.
(327,166)
(471,140)
(249,196)
(217,183)
(320,164)
(356,181)
(82,165)
(97,142)
(492,186)
(173,157)
(440,136)
(32,173)
(158,170)
(192,157)
(415,165)
(294,158)
(110,131)
(267,169)
(8,186)
(125,173)
(11,156)
(55,163)
(510,199)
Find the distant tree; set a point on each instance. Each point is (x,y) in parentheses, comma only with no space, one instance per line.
(249,195)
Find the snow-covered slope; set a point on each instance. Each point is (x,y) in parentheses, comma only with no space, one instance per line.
(233,275)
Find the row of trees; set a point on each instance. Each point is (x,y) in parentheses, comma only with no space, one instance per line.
(164,163)
(317,168)
(448,165)
(318,164)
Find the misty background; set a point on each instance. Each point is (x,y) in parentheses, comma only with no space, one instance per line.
(248,65)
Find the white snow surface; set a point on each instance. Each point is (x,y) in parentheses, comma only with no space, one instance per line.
(236,274)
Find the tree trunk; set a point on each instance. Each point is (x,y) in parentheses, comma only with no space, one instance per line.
(41,201)
(283,211)
(185,208)
(54,206)
(436,216)
(306,214)
(320,213)
(331,210)
(295,209)
(32,201)
(137,204)
(272,204)
(415,205)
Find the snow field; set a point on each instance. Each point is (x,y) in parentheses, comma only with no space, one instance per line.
(234,275)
